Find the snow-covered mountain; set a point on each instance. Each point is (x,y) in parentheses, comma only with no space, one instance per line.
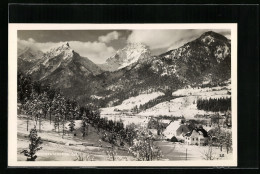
(28,57)
(203,61)
(198,69)
(62,67)
(130,54)
(132,71)
(206,59)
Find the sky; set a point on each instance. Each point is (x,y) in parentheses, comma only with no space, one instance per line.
(99,45)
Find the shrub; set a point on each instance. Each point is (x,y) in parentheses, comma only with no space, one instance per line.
(174,139)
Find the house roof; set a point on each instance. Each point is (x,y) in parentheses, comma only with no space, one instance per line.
(173,126)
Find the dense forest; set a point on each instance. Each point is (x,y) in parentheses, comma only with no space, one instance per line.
(214,105)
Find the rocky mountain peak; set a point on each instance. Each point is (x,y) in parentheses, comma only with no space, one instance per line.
(139,46)
(126,56)
(63,47)
(212,37)
(62,67)
(65,50)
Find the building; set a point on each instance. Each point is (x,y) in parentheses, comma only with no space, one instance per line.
(176,129)
(196,137)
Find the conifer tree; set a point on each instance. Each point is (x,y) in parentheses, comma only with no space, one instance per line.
(34,145)
(73,113)
(84,127)
(57,121)
(72,124)
(28,108)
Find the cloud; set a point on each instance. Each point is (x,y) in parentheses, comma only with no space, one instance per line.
(31,40)
(167,39)
(37,45)
(97,52)
(109,37)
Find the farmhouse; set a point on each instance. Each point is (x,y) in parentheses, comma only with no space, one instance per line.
(176,129)
(196,137)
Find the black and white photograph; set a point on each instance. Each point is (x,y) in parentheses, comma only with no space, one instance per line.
(122,95)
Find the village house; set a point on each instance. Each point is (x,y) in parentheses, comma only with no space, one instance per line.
(176,129)
(196,137)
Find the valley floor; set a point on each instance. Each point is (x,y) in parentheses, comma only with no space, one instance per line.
(70,147)
(177,151)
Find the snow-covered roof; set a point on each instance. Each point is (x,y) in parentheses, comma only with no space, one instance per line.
(173,126)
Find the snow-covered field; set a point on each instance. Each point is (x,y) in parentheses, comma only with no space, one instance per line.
(130,103)
(46,126)
(66,148)
(182,106)
(177,151)
(214,92)
(123,111)
(186,105)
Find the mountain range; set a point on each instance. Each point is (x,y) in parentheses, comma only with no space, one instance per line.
(132,70)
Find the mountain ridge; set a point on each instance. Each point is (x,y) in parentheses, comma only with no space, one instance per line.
(62,64)
(205,60)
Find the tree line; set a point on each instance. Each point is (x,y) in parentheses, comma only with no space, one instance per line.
(215,104)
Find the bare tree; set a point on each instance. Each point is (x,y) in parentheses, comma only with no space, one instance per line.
(209,154)
(144,148)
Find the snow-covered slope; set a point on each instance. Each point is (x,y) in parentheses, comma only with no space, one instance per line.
(186,105)
(205,61)
(138,100)
(182,106)
(214,91)
(53,59)
(132,102)
(130,54)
